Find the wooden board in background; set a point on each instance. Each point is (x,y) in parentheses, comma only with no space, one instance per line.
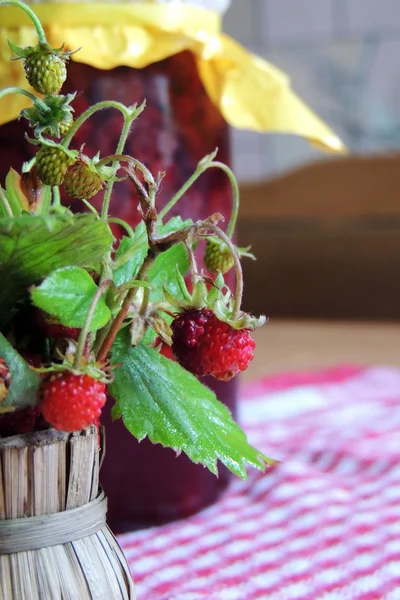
(327,241)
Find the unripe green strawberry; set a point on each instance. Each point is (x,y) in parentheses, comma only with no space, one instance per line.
(53,116)
(218,257)
(65,125)
(51,165)
(81,181)
(45,69)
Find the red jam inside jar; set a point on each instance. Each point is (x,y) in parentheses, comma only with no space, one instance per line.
(145,483)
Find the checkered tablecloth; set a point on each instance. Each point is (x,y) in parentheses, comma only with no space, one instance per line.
(323,525)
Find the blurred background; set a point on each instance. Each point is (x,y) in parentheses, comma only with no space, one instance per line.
(325,229)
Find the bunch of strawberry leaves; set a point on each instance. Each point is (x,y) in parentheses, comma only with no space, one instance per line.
(83,315)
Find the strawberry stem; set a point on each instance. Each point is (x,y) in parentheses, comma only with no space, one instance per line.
(121,158)
(123,224)
(17,90)
(145,301)
(201,167)
(85,329)
(56,203)
(131,161)
(128,120)
(38,26)
(206,163)
(130,296)
(88,113)
(192,263)
(238,267)
(235,195)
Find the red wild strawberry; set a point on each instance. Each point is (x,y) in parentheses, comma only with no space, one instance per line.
(204,345)
(71,402)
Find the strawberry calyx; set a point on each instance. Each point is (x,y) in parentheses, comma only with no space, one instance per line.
(99,371)
(214,295)
(93,165)
(55,120)
(86,177)
(42,48)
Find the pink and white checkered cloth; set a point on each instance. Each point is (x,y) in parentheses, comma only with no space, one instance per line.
(323,525)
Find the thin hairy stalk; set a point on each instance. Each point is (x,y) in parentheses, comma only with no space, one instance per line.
(235,198)
(145,301)
(88,113)
(37,24)
(56,203)
(90,206)
(201,167)
(85,329)
(123,224)
(18,90)
(192,263)
(238,267)
(130,160)
(128,120)
(119,319)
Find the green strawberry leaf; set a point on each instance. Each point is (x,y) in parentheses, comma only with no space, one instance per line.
(33,246)
(174,224)
(170,263)
(130,255)
(164,269)
(159,399)
(132,252)
(67,293)
(24,381)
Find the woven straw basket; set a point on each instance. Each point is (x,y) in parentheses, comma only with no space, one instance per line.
(54,541)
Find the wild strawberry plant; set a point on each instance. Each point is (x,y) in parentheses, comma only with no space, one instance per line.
(82,313)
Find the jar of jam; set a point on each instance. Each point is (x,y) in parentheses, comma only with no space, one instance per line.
(145,483)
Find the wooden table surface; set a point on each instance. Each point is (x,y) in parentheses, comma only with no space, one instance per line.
(306,345)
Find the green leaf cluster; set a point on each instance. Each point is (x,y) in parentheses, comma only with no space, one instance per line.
(24,381)
(159,399)
(32,247)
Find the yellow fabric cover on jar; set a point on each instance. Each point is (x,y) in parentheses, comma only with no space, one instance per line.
(250,92)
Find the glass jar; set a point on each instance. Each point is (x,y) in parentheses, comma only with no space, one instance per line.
(148,484)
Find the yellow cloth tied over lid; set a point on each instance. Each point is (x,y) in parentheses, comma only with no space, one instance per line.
(250,92)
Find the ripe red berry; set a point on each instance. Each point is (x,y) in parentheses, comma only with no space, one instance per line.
(204,345)
(71,402)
